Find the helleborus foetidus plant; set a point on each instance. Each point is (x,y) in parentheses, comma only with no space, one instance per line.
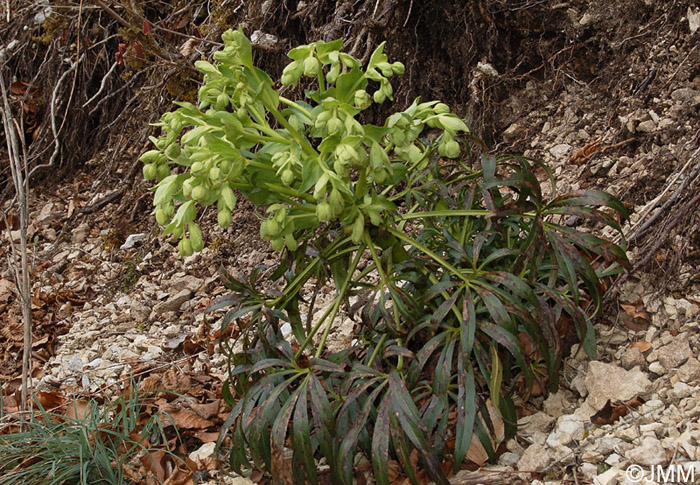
(457,270)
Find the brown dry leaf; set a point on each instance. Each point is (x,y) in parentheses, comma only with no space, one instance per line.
(180,477)
(583,154)
(11,404)
(71,208)
(609,414)
(188,47)
(642,345)
(612,412)
(207,411)
(151,383)
(498,425)
(188,420)
(207,437)
(50,399)
(177,382)
(636,310)
(394,471)
(136,437)
(7,289)
(78,410)
(209,463)
(155,462)
(476,452)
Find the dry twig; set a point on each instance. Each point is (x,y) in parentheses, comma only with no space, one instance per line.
(20,178)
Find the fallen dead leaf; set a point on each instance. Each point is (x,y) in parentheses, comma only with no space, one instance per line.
(50,399)
(636,310)
(180,476)
(642,345)
(78,410)
(207,411)
(207,437)
(188,47)
(183,419)
(155,462)
(581,155)
(611,412)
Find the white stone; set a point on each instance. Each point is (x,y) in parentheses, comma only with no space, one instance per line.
(207,450)
(535,458)
(693,19)
(557,404)
(606,381)
(141,342)
(647,126)
(681,390)
(508,459)
(589,470)
(131,240)
(607,478)
(486,68)
(690,371)
(657,368)
(559,151)
(568,429)
(650,452)
(675,353)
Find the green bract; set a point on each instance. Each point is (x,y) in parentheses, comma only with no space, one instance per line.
(313,157)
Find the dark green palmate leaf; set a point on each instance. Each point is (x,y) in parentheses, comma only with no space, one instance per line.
(437,335)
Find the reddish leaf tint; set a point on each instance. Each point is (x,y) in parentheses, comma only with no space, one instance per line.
(155,462)
(636,310)
(119,56)
(139,51)
(147,27)
(612,412)
(642,345)
(50,399)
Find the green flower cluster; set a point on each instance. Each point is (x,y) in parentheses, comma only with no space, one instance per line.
(309,162)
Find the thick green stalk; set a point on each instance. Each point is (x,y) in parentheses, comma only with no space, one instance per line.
(332,311)
(294,104)
(459,274)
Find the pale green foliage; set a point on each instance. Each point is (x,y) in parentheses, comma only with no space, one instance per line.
(308,162)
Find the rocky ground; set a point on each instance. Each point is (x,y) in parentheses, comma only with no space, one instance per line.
(113,300)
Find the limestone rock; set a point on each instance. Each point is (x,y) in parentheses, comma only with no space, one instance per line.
(139,311)
(189,282)
(606,381)
(558,404)
(646,126)
(690,371)
(686,96)
(650,452)
(675,353)
(632,357)
(80,234)
(132,239)
(541,422)
(535,458)
(508,459)
(657,368)
(560,150)
(607,478)
(568,428)
(513,132)
(173,303)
